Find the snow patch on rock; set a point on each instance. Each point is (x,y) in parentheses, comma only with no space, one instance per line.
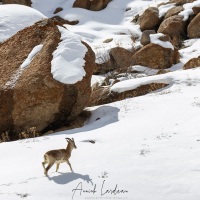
(30,57)
(135,83)
(165,44)
(14,18)
(11,83)
(165,8)
(188,9)
(148,71)
(68,61)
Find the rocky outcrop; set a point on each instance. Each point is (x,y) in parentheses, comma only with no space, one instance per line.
(31,97)
(94,5)
(149,19)
(193,28)
(103,95)
(192,63)
(156,57)
(22,2)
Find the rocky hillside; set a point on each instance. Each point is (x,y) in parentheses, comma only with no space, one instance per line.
(59,57)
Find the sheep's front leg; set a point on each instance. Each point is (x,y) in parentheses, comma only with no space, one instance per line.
(70,165)
(57,166)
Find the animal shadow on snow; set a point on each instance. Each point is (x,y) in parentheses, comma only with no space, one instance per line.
(65,178)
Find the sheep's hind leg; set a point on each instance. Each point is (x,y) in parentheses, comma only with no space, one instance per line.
(48,167)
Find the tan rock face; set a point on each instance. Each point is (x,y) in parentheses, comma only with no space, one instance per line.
(22,2)
(193,28)
(192,63)
(34,98)
(181,2)
(172,26)
(145,38)
(174,11)
(120,58)
(94,5)
(196,10)
(149,19)
(155,56)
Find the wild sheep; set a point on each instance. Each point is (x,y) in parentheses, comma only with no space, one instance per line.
(59,156)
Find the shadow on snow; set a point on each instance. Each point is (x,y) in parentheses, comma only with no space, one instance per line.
(102,116)
(65,178)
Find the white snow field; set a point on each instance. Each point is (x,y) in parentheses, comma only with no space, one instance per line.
(146,148)
(14,18)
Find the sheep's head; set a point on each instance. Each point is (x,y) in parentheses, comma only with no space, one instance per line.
(71,142)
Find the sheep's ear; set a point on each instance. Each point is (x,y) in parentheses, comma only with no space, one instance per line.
(72,139)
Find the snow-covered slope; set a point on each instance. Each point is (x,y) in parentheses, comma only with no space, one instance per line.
(147,146)
(14,18)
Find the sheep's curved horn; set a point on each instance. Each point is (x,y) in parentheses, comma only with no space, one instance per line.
(67,138)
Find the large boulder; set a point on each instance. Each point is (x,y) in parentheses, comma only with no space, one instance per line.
(29,95)
(156,57)
(172,26)
(193,28)
(149,19)
(94,5)
(175,27)
(22,2)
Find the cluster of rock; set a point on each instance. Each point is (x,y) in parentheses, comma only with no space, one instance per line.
(173,24)
(175,29)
